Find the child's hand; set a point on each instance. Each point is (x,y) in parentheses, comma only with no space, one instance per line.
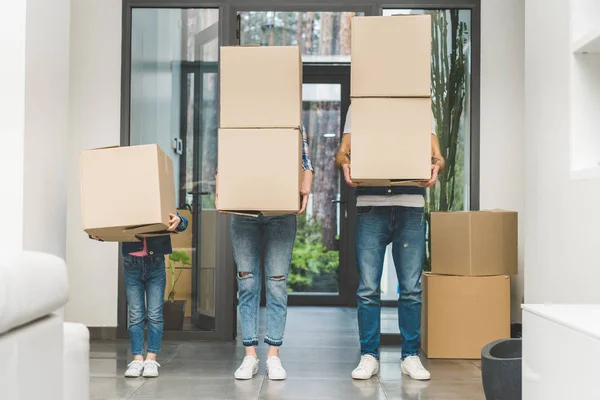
(173,222)
(97,238)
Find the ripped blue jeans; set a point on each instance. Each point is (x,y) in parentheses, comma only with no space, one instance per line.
(247,235)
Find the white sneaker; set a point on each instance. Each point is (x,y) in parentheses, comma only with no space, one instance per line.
(248,369)
(412,367)
(134,369)
(367,367)
(151,369)
(275,370)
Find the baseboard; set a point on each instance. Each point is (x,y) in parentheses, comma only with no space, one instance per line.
(102,333)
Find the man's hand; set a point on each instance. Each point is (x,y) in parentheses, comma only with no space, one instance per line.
(346,169)
(305,188)
(173,222)
(435,169)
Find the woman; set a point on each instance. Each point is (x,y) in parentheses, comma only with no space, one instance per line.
(279,233)
(145,280)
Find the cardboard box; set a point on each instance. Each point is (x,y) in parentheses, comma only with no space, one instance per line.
(126,191)
(259,171)
(463,314)
(391,56)
(476,243)
(391,140)
(261,87)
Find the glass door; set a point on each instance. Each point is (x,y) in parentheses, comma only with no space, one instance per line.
(319,270)
(173,101)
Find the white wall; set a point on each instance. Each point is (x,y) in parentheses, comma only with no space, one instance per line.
(562,213)
(502,117)
(95,93)
(46,126)
(12,119)
(34,78)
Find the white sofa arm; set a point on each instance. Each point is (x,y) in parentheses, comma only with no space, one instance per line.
(32,285)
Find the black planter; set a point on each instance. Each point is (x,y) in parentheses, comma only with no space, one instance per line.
(173,314)
(501,369)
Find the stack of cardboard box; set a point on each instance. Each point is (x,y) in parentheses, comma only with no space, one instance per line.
(466,297)
(391,104)
(260,142)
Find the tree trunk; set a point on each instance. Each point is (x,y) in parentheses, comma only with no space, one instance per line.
(325,186)
(345,26)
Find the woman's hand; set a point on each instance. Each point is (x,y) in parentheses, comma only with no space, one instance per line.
(173,222)
(305,188)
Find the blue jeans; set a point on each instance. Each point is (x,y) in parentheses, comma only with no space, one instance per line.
(377,227)
(247,235)
(145,281)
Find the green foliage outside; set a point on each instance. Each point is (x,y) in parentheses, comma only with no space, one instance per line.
(314,268)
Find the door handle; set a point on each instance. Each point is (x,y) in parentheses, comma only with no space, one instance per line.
(338,202)
(199,193)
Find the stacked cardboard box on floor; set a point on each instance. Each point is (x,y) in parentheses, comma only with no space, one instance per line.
(260,142)
(466,297)
(126,192)
(391,104)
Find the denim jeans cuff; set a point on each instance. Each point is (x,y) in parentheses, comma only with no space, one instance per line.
(250,342)
(153,351)
(409,355)
(273,342)
(137,353)
(375,355)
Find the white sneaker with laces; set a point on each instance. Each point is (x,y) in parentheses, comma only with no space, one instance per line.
(413,367)
(134,369)
(275,370)
(151,369)
(248,369)
(367,367)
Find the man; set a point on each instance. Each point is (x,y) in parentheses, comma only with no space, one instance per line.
(389,215)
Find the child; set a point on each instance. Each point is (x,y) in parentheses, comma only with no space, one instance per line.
(145,280)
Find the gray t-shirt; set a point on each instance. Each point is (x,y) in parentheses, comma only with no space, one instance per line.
(402,200)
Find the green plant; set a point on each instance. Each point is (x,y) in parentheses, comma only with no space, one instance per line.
(177,256)
(449,81)
(310,258)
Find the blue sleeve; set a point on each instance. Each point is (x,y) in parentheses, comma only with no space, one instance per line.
(183,224)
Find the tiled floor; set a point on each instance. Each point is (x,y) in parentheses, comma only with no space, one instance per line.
(320,351)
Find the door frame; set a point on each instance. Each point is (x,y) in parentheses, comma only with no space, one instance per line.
(226,323)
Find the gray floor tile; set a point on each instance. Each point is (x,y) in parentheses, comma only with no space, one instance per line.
(189,388)
(433,390)
(321,389)
(319,370)
(201,370)
(312,355)
(441,370)
(320,350)
(113,388)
